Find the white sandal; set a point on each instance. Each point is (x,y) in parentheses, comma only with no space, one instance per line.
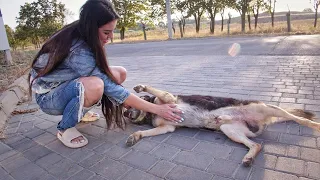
(68,135)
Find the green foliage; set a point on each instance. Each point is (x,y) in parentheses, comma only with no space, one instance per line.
(10,34)
(39,20)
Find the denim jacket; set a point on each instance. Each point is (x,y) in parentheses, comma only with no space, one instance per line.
(79,63)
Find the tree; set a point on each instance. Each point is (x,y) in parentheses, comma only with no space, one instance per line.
(316,4)
(255,7)
(39,19)
(271,9)
(131,12)
(10,34)
(242,6)
(212,9)
(194,8)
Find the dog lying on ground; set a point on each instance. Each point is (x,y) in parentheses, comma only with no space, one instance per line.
(237,119)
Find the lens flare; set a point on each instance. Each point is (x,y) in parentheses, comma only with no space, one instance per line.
(234,49)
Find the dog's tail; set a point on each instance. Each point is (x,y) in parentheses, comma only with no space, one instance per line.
(302,113)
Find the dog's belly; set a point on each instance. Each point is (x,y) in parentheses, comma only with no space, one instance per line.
(193,116)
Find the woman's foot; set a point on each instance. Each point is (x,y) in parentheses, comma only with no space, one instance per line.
(76,140)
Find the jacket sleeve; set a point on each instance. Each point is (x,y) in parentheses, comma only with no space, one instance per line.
(84,64)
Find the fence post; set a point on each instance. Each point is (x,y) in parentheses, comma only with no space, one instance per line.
(289,21)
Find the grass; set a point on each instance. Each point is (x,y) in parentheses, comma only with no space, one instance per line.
(22,59)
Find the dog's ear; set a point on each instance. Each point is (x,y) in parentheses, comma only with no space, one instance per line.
(146,98)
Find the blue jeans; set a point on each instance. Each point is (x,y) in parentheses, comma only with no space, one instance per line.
(67,99)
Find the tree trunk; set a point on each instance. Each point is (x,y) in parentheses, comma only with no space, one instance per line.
(181,29)
(183,25)
(272,19)
(173,28)
(316,17)
(222,23)
(256,21)
(249,21)
(243,22)
(122,33)
(212,22)
(197,19)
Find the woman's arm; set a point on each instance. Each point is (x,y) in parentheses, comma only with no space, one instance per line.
(167,111)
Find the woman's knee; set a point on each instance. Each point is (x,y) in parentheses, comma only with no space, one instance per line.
(119,72)
(94,88)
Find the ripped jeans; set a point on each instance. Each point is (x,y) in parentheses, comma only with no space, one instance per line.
(67,100)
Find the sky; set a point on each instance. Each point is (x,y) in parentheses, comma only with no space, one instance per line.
(10,8)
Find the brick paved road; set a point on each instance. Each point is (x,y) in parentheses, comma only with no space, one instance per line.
(290,151)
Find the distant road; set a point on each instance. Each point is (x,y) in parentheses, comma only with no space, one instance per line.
(304,45)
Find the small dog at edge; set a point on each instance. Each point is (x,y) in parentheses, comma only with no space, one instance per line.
(237,119)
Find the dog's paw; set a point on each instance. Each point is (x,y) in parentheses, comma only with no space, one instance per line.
(132,140)
(247,162)
(140,88)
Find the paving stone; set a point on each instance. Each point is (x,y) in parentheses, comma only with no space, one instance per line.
(91,160)
(194,160)
(211,136)
(165,151)
(242,172)
(94,142)
(189,132)
(215,150)
(114,137)
(110,169)
(4,148)
(220,178)
(45,125)
(270,174)
(134,158)
(23,144)
(82,175)
(117,152)
(28,172)
(187,173)
(313,170)
(162,168)
(137,174)
(36,152)
(272,136)
(34,133)
(14,162)
(298,140)
(160,138)
(293,166)
(274,148)
(9,140)
(238,154)
(293,151)
(81,154)
(145,146)
(8,154)
(49,160)
(306,131)
(45,138)
(103,148)
(218,167)
(25,127)
(97,177)
(92,130)
(59,148)
(310,154)
(182,142)
(64,169)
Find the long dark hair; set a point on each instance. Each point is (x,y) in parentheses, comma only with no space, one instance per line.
(93,15)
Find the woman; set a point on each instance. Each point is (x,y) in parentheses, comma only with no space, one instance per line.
(70,74)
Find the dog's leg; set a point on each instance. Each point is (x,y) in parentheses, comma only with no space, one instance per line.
(238,133)
(276,111)
(164,96)
(136,136)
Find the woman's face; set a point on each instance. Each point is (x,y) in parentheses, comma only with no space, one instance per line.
(106,32)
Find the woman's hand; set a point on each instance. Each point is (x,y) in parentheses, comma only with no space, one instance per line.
(169,112)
